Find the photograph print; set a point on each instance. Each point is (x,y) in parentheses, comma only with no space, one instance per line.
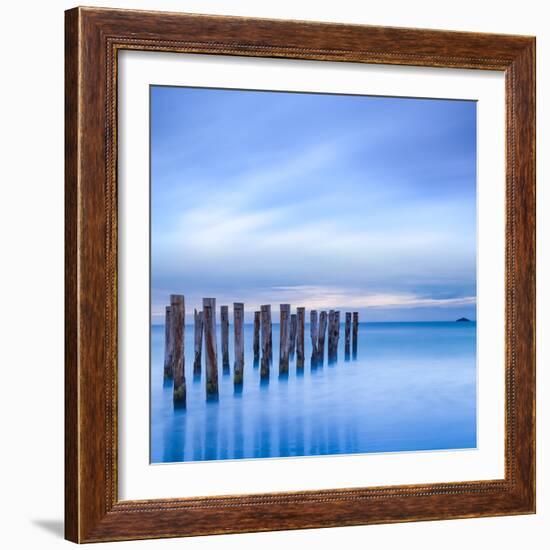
(313,274)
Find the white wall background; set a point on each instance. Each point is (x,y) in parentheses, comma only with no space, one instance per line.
(31,273)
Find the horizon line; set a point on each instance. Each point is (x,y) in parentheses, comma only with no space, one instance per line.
(468,320)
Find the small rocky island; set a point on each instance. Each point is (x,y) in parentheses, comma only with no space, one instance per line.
(463,320)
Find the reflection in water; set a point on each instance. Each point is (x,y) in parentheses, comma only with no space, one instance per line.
(299,447)
(284,436)
(174,447)
(238,433)
(224,442)
(211,432)
(198,444)
(263,427)
(413,387)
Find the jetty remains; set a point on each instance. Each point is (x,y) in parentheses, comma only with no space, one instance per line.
(323,327)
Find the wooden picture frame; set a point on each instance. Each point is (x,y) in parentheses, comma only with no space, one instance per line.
(93,511)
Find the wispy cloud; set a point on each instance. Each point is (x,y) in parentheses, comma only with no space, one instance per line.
(314,297)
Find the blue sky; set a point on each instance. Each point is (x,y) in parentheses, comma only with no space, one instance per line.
(325,201)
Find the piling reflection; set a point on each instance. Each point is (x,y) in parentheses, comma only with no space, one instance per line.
(284,437)
(211,431)
(174,436)
(238,433)
(198,441)
(263,429)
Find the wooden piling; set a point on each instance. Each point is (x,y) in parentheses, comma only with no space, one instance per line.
(265,323)
(354,333)
(177,313)
(314,333)
(256,337)
(321,339)
(238,325)
(333,334)
(347,335)
(337,329)
(284,338)
(300,333)
(224,321)
(293,328)
(330,344)
(270,337)
(199,321)
(266,332)
(168,373)
(210,347)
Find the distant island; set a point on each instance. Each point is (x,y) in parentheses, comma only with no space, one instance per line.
(463,320)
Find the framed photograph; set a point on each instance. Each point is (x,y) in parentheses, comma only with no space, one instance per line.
(300,275)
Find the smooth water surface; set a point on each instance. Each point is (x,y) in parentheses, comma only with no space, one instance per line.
(411,387)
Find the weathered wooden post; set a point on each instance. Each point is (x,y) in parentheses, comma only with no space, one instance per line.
(336,333)
(284,338)
(224,320)
(293,328)
(337,329)
(210,347)
(265,322)
(329,334)
(333,334)
(199,320)
(266,333)
(355,330)
(321,340)
(270,337)
(314,332)
(347,335)
(168,373)
(238,324)
(300,334)
(177,312)
(256,338)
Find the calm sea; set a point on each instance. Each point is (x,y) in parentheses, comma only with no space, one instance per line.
(412,387)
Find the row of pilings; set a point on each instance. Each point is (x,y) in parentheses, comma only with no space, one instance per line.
(323,326)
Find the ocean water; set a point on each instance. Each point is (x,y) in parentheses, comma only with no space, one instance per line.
(411,387)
